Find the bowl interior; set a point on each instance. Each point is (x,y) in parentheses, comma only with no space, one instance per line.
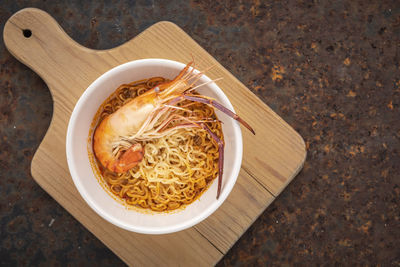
(92,191)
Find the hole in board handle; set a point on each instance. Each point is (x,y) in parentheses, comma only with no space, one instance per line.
(27,33)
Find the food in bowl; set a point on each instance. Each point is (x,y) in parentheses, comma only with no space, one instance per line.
(175,168)
(158,143)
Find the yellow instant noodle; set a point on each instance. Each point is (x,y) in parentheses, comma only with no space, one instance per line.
(177,168)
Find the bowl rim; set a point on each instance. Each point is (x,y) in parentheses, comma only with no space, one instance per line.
(79,107)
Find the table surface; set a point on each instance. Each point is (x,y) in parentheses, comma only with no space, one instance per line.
(331,70)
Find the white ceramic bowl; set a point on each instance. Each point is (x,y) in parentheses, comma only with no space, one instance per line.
(100,200)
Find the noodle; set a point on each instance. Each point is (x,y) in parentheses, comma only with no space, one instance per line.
(176,168)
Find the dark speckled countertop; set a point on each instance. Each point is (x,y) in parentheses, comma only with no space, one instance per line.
(329,68)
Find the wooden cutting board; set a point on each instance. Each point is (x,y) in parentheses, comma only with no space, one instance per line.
(271,159)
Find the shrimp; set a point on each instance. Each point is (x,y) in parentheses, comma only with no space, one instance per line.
(116,138)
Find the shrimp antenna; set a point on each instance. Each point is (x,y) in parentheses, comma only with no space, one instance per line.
(209,68)
(197,86)
(189,73)
(197,76)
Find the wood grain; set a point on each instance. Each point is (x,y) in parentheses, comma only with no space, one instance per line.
(245,203)
(271,159)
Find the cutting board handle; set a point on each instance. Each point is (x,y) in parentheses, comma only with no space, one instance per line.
(38,41)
